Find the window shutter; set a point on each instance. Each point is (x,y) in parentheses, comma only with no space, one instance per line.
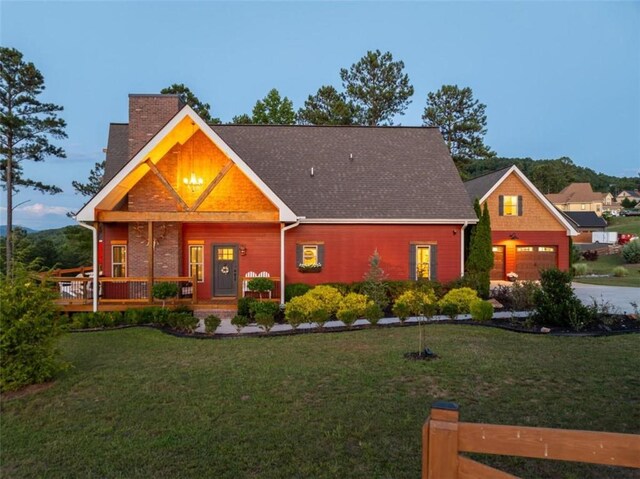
(433,259)
(298,254)
(519,205)
(321,254)
(412,262)
(500,205)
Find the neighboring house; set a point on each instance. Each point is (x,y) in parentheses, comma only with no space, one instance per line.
(581,197)
(527,231)
(183,199)
(585,222)
(631,194)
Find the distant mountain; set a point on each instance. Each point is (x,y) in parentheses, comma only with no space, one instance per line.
(3,229)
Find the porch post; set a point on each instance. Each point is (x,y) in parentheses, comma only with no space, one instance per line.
(96,267)
(150,260)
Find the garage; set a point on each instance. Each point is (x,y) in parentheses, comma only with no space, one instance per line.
(497,272)
(531,259)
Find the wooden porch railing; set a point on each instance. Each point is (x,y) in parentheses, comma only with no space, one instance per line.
(79,290)
(444,438)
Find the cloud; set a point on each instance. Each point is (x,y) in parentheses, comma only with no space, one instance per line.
(39,210)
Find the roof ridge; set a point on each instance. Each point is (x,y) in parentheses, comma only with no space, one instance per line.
(489,173)
(373,127)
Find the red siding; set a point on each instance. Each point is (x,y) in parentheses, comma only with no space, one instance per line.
(559,239)
(112,232)
(347,249)
(262,242)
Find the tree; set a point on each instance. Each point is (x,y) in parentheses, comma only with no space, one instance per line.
(327,107)
(95,181)
(378,87)
(26,126)
(551,176)
(243,119)
(480,259)
(462,122)
(274,110)
(202,109)
(628,203)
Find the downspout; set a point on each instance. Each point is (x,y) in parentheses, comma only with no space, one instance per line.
(95,263)
(466,223)
(282,230)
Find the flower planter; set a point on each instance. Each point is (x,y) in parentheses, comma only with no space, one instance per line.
(315,269)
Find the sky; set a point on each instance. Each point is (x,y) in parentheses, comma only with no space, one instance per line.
(558,78)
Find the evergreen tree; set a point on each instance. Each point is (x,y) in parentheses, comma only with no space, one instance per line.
(202,109)
(243,119)
(91,187)
(480,259)
(327,107)
(378,88)
(26,126)
(462,122)
(274,110)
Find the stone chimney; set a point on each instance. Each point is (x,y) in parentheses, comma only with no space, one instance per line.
(147,115)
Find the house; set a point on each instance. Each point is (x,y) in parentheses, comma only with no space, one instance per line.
(208,206)
(527,231)
(633,195)
(585,222)
(581,197)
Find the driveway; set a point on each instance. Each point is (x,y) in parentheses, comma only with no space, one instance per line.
(619,296)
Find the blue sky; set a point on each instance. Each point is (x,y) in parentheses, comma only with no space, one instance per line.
(558,78)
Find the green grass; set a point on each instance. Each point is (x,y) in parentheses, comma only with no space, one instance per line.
(604,265)
(139,403)
(623,224)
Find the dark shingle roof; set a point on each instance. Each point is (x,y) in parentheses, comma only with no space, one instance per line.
(478,187)
(395,172)
(117,150)
(586,219)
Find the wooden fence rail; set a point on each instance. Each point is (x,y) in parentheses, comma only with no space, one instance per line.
(444,438)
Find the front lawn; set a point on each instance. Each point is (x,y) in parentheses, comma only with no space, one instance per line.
(140,403)
(624,224)
(604,265)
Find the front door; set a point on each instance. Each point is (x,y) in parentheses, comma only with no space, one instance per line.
(497,272)
(225,270)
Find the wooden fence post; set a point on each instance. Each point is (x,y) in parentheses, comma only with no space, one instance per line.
(440,442)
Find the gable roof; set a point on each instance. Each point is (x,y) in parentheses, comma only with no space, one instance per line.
(586,219)
(482,187)
(576,193)
(117,150)
(385,174)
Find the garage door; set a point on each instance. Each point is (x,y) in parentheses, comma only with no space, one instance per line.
(531,259)
(497,272)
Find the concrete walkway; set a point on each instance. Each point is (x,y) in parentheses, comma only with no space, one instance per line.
(620,297)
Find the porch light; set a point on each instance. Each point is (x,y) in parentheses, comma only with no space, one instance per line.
(193,182)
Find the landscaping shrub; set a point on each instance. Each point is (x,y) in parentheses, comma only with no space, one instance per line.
(164,291)
(184,322)
(576,255)
(352,307)
(244,306)
(461,298)
(28,332)
(260,285)
(343,288)
(239,321)
(264,313)
(328,296)
(519,296)
(135,316)
(373,313)
(295,289)
(581,269)
(450,309)
(462,282)
(590,255)
(182,308)
(620,271)
(631,252)
(396,288)
(481,311)
(211,323)
(556,303)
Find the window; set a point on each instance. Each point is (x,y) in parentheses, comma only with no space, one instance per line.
(423,262)
(310,254)
(546,249)
(196,262)
(119,261)
(584,207)
(510,206)
(225,254)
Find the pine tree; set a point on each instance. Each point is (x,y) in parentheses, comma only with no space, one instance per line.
(480,259)
(202,109)
(26,126)
(327,107)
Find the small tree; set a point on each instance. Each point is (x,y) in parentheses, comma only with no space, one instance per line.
(557,304)
(628,203)
(164,291)
(480,259)
(202,109)
(374,282)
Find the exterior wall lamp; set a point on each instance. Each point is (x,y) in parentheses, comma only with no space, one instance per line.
(513,236)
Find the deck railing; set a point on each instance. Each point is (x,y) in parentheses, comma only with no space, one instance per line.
(444,438)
